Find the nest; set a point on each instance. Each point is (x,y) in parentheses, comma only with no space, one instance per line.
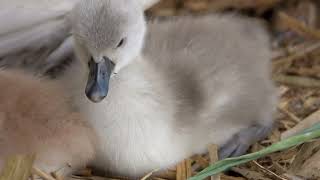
(296,70)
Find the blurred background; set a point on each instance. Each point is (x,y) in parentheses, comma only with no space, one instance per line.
(275,12)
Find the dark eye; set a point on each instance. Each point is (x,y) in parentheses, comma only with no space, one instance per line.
(122,41)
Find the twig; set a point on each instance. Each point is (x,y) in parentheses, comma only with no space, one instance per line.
(189,168)
(299,27)
(249,174)
(201,161)
(304,124)
(268,171)
(41,174)
(297,53)
(213,153)
(181,171)
(157,178)
(149,175)
(56,176)
(297,81)
(290,114)
(166,174)
(219,5)
(184,170)
(302,71)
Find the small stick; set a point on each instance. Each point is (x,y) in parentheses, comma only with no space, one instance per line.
(290,114)
(299,27)
(268,171)
(157,178)
(201,161)
(304,124)
(56,176)
(149,175)
(300,52)
(297,81)
(249,174)
(166,174)
(188,168)
(181,171)
(213,154)
(41,174)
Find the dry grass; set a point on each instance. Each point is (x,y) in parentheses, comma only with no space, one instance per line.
(296,69)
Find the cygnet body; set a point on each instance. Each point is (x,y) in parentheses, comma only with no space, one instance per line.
(188,83)
(35,118)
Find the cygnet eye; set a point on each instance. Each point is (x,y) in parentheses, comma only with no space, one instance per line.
(121,43)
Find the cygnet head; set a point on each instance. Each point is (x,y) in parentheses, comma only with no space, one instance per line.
(109,34)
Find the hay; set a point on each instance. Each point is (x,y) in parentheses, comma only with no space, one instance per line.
(296,69)
(17,168)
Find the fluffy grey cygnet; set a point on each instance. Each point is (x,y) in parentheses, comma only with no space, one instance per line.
(157,92)
(166,90)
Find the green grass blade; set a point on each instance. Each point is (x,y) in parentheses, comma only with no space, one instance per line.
(313,128)
(223,165)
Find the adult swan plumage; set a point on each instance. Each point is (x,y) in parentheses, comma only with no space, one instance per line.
(155,92)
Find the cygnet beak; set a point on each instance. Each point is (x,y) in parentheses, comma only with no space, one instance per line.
(98,81)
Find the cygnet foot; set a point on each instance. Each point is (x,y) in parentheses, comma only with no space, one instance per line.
(240,142)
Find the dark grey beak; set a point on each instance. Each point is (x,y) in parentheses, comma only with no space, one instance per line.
(98,81)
